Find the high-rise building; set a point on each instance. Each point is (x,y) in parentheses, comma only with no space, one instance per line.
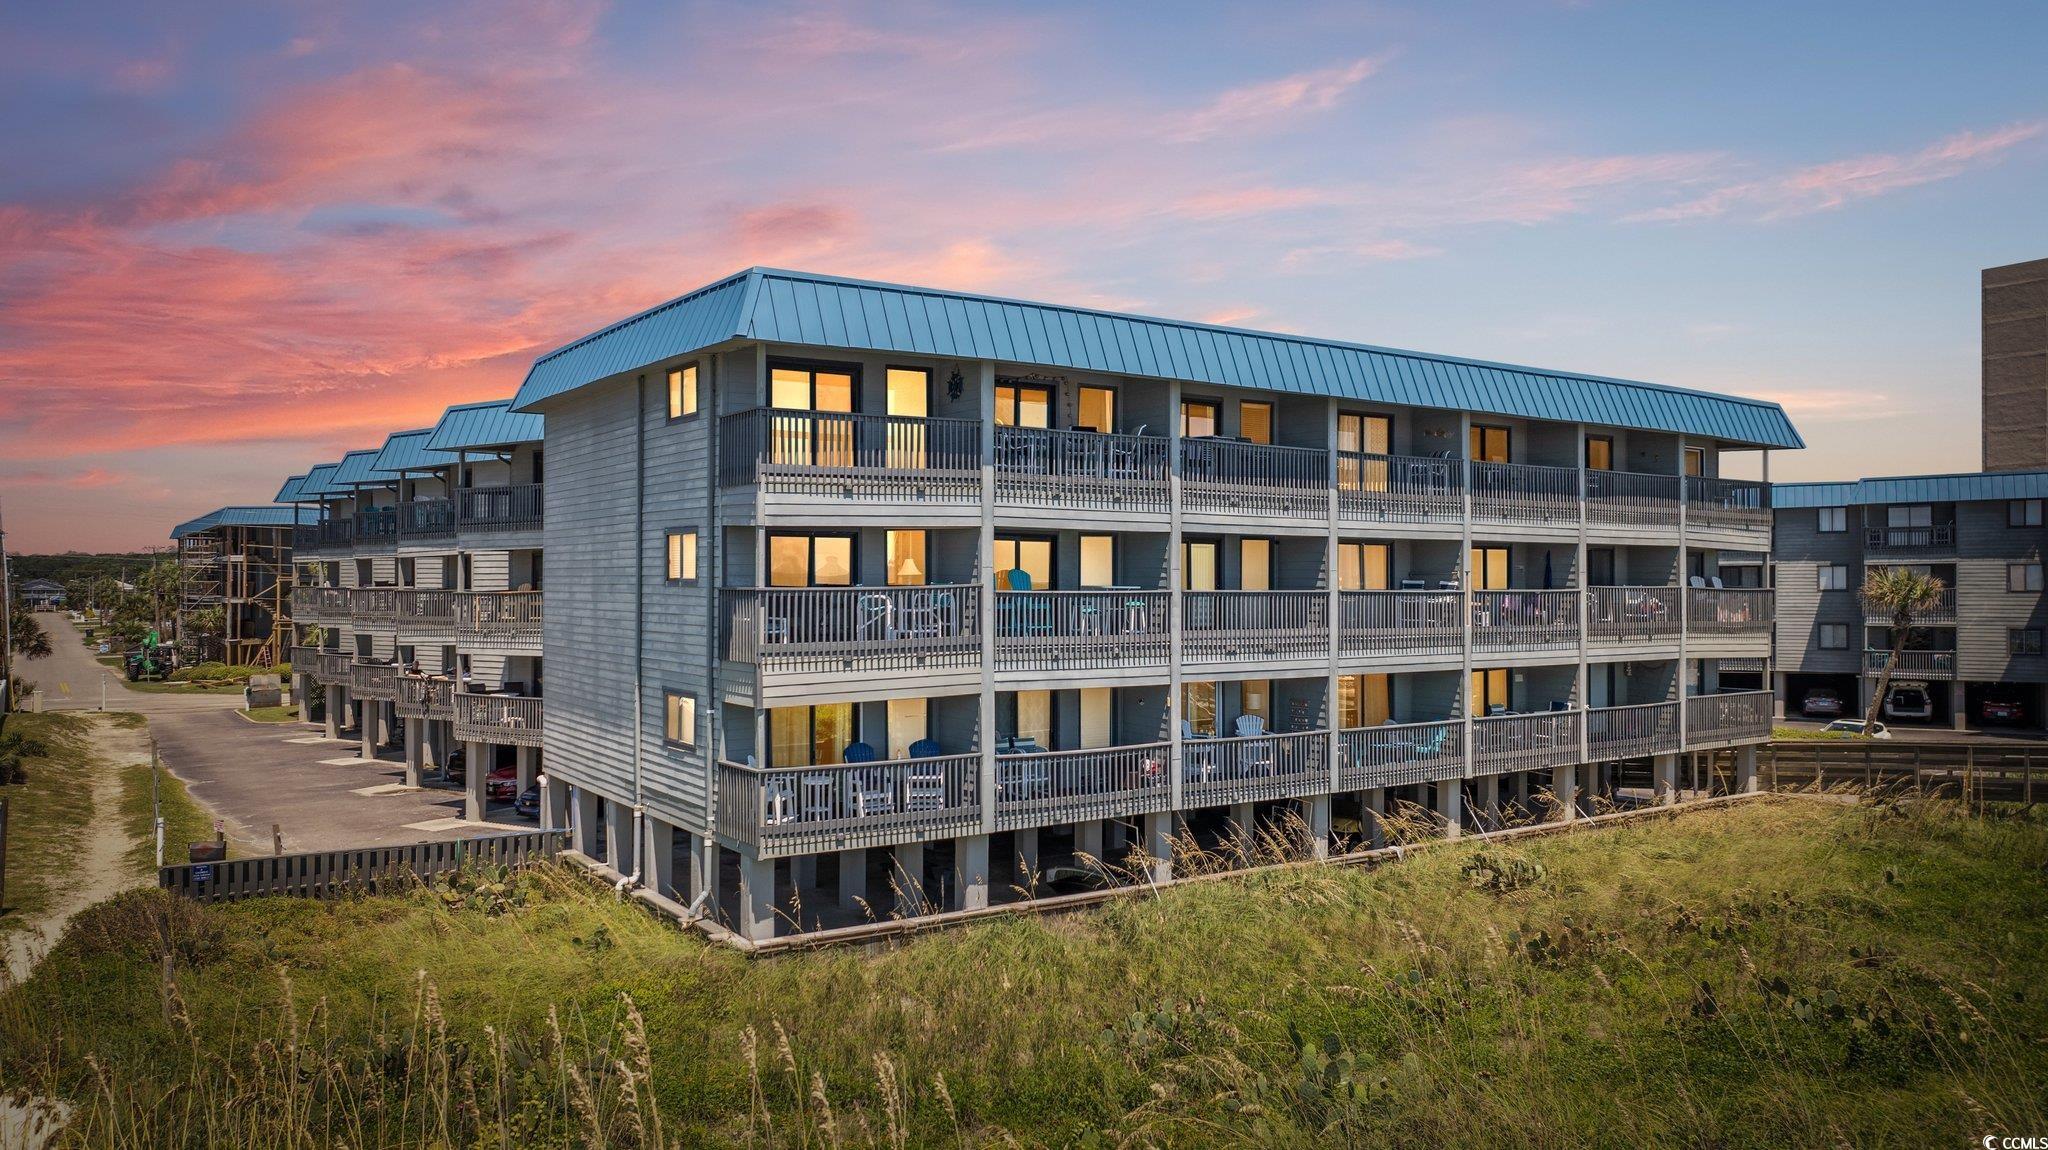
(2016,366)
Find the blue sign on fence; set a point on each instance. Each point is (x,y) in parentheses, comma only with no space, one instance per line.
(202,873)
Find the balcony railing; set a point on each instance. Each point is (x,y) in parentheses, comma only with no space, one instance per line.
(1913,664)
(305,660)
(1524,742)
(337,532)
(1631,498)
(372,604)
(1066,786)
(1632,731)
(1944,611)
(1735,716)
(1252,625)
(423,612)
(1414,622)
(850,804)
(1623,613)
(426,518)
(1082,630)
(1399,488)
(1738,504)
(1731,610)
(510,619)
(320,604)
(420,697)
(335,669)
(1525,620)
(1939,537)
(378,525)
(513,720)
(516,507)
(877,456)
(1083,470)
(1400,754)
(854,628)
(1255,478)
(1525,494)
(374,681)
(1254,768)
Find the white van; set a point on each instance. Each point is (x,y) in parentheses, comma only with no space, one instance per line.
(1909,701)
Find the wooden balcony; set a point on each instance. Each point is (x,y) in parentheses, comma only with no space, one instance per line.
(515,507)
(320,604)
(1940,538)
(512,720)
(1629,499)
(1727,505)
(335,669)
(1255,626)
(423,614)
(376,681)
(426,519)
(376,528)
(1052,787)
(1912,664)
(1632,731)
(1525,742)
(305,660)
(1525,495)
(1399,489)
(815,632)
(1409,622)
(1254,768)
(370,606)
(1731,610)
(1082,471)
(1942,612)
(423,697)
(498,620)
(1225,476)
(1082,630)
(1632,614)
(1526,620)
(1724,719)
(850,459)
(1400,754)
(801,810)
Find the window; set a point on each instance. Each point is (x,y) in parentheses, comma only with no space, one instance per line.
(810,560)
(2023,513)
(1489,569)
(2023,640)
(1198,706)
(909,398)
(1490,444)
(1098,409)
(906,558)
(1834,577)
(1025,716)
(1364,434)
(1911,515)
(2023,576)
(1255,421)
(1199,418)
(1364,566)
(1255,564)
(1097,714)
(1695,461)
(1098,561)
(1255,697)
(1198,565)
(810,736)
(1832,520)
(909,723)
(682,556)
(1834,636)
(1362,700)
(815,442)
(679,721)
(1489,689)
(682,391)
(1031,556)
(1599,453)
(1023,405)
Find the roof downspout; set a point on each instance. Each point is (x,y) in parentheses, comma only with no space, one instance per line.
(639,621)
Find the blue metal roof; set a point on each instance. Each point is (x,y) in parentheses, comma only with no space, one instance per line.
(246,516)
(289,493)
(823,311)
(357,467)
(319,483)
(1961,487)
(480,425)
(407,451)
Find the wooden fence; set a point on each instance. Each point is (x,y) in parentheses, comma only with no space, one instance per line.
(1976,772)
(322,874)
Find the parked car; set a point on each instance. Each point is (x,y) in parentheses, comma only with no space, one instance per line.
(1071,880)
(501,785)
(2002,711)
(528,803)
(1821,703)
(1909,701)
(1855,727)
(455,770)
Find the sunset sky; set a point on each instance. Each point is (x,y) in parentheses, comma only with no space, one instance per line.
(238,240)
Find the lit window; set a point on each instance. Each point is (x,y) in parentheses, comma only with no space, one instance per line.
(682,556)
(682,391)
(679,723)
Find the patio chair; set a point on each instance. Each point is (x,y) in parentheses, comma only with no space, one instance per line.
(924,788)
(925,616)
(1431,747)
(1696,581)
(874,792)
(858,753)
(815,792)
(1123,456)
(778,799)
(874,613)
(925,749)
(1249,725)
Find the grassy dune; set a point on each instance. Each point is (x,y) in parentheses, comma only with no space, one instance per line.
(1784,973)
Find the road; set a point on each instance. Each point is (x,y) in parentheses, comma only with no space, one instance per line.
(252,774)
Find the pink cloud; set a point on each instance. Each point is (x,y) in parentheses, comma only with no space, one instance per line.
(1269,100)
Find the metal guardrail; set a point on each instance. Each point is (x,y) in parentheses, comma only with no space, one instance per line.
(1226,475)
(377,681)
(854,628)
(1631,499)
(1970,771)
(326,874)
(1627,613)
(1082,469)
(1417,622)
(1731,716)
(1937,536)
(1053,787)
(1525,620)
(1374,488)
(1912,664)
(1075,630)
(1525,493)
(1251,625)
(424,698)
(1254,768)
(1631,731)
(514,507)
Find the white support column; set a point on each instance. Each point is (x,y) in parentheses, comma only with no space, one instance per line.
(1025,848)
(853,880)
(970,872)
(1465,576)
(1315,811)
(1175,582)
(658,870)
(1158,845)
(704,871)
(618,837)
(757,898)
(984,561)
(1088,839)
(554,804)
(415,748)
(526,767)
(476,768)
(1565,785)
(583,822)
(1664,779)
(907,873)
(334,706)
(366,731)
(1373,810)
(1450,804)
(1745,769)
(1116,840)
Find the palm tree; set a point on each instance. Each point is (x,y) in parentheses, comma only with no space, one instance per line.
(1903,595)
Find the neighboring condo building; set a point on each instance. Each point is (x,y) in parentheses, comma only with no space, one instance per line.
(2015,363)
(238,560)
(1981,534)
(867,595)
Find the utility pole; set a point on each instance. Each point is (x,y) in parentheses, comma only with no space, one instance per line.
(6,610)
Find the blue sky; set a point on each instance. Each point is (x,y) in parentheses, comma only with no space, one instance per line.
(241,239)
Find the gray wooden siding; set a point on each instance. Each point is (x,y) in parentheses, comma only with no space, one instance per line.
(1800,550)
